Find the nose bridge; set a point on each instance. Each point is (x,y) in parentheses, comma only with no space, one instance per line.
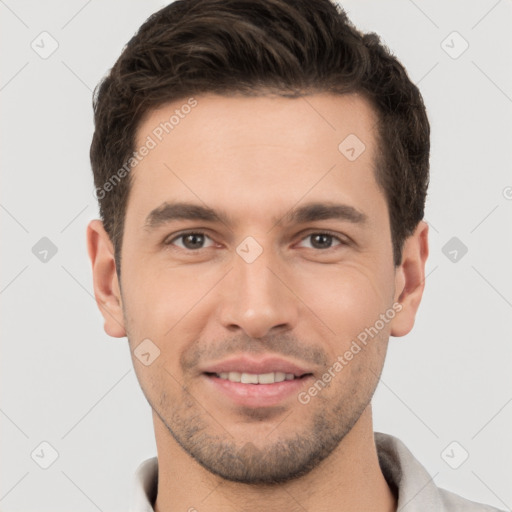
(255,299)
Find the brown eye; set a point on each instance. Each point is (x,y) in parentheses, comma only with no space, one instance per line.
(323,240)
(192,240)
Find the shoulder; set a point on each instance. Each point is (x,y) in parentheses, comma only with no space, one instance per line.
(415,487)
(454,502)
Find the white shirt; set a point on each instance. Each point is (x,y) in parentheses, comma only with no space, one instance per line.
(417,492)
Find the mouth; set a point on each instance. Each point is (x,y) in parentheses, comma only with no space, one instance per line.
(255,390)
(243,380)
(257,378)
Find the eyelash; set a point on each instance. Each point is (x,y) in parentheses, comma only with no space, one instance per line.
(203,233)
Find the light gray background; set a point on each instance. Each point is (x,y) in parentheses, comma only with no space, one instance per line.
(64,381)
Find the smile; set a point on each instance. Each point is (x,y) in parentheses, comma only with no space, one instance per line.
(256,378)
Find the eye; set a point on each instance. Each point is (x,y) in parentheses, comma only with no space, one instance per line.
(191,240)
(323,240)
(195,240)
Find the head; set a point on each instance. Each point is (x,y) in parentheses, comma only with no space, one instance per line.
(301,149)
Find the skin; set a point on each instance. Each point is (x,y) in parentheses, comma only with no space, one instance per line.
(304,298)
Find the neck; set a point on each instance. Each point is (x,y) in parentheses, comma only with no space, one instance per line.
(350,479)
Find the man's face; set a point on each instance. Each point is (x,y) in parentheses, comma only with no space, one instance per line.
(259,291)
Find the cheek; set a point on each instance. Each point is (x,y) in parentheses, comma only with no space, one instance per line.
(169,306)
(351,301)
(347,298)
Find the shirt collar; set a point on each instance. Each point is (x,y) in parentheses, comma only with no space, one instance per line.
(145,483)
(416,489)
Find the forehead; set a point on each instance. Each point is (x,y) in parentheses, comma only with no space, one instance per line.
(256,153)
(269,120)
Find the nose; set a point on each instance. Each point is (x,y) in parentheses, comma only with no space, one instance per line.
(256,297)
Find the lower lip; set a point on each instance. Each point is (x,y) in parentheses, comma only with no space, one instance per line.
(257,395)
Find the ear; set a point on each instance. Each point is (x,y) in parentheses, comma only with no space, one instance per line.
(106,285)
(410,279)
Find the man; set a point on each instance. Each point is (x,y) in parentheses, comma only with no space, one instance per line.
(261,169)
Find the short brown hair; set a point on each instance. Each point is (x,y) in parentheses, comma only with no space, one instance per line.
(253,47)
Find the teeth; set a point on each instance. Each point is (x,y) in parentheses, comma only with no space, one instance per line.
(252,378)
(266,378)
(279,377)
(249,378)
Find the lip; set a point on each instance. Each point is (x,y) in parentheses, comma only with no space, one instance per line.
(244,364)
(256,395)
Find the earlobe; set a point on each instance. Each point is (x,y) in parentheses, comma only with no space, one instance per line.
(410,280)
(106,285)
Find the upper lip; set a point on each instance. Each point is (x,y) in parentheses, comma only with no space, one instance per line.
(244,364)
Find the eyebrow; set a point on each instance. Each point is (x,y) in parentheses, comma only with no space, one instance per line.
(310,212)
